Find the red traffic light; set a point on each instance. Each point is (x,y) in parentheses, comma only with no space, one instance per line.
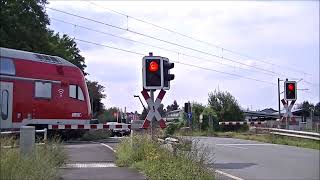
(291,87)
(153,66)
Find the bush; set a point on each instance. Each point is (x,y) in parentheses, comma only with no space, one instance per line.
(171,129)
(42,164)
(158,162)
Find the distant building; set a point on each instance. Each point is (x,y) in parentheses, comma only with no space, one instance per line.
(269,110)
(130,116)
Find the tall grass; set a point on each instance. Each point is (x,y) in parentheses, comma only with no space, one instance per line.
(43,163)
(159,163)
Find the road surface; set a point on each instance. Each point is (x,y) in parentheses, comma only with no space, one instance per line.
(94,161)
(244,159)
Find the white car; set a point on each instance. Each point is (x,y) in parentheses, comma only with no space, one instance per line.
(118,131)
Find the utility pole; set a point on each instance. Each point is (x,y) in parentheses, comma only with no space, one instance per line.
(279,98)
(152,120)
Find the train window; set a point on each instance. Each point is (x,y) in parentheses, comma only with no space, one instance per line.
(4,104)
(80,94)
(73,91)
(76,92)
(43,89)
(7,66)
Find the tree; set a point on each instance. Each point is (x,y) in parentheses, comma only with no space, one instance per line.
(96,92)
(161,110)
(143,114)
(306,108)
(23,24)
(65,47)
(210,120)
(173,106)
(317,109)
(197,109)
(24,27)
(109,115)
(226,106)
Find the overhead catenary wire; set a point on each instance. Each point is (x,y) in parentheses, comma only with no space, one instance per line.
(151,45)
(165,41)
(178,62)
(120,28)
(198,40)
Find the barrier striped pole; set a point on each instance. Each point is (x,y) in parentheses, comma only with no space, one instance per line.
(241,123)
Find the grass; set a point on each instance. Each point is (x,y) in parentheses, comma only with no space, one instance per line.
(43,163)
(159,163)
(277,139)
(267,138)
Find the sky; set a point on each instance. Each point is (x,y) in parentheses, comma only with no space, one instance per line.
(259,41)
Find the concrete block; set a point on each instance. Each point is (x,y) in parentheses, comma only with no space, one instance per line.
(27,139)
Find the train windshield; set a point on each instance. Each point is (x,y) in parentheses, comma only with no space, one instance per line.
(7,66)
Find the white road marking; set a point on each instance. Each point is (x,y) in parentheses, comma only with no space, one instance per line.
(106,145)
(89,165)
(217,171)
(229,175)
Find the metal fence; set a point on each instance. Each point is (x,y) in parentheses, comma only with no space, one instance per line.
(291,133)
(26,137)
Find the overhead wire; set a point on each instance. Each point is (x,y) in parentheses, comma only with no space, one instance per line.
(151,45)
(151,37)
(178,62)
(165,41)
(195,39)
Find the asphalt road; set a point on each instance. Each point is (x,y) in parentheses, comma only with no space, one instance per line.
(95,161)
(244,159)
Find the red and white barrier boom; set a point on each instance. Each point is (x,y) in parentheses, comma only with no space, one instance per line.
(90,126)
(153,109)
(241,123)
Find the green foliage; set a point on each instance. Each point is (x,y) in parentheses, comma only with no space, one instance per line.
(65,47)
(226,106)
(24,27)
(96,93)
(172,128)
(108,115)
(306,108)
(143,114)
(42,164)
(317,109)
(210,119)
(173,106)
(157,162)
(23,24)
(197,109)
(161,110)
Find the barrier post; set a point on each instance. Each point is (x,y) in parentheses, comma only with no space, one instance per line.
(27,139)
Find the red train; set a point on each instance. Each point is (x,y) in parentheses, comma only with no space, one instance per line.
(41,90)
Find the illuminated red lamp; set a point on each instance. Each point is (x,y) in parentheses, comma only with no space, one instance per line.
(290,87)
(153,66)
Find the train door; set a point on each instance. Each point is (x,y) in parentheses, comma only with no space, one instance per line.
(6,90)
